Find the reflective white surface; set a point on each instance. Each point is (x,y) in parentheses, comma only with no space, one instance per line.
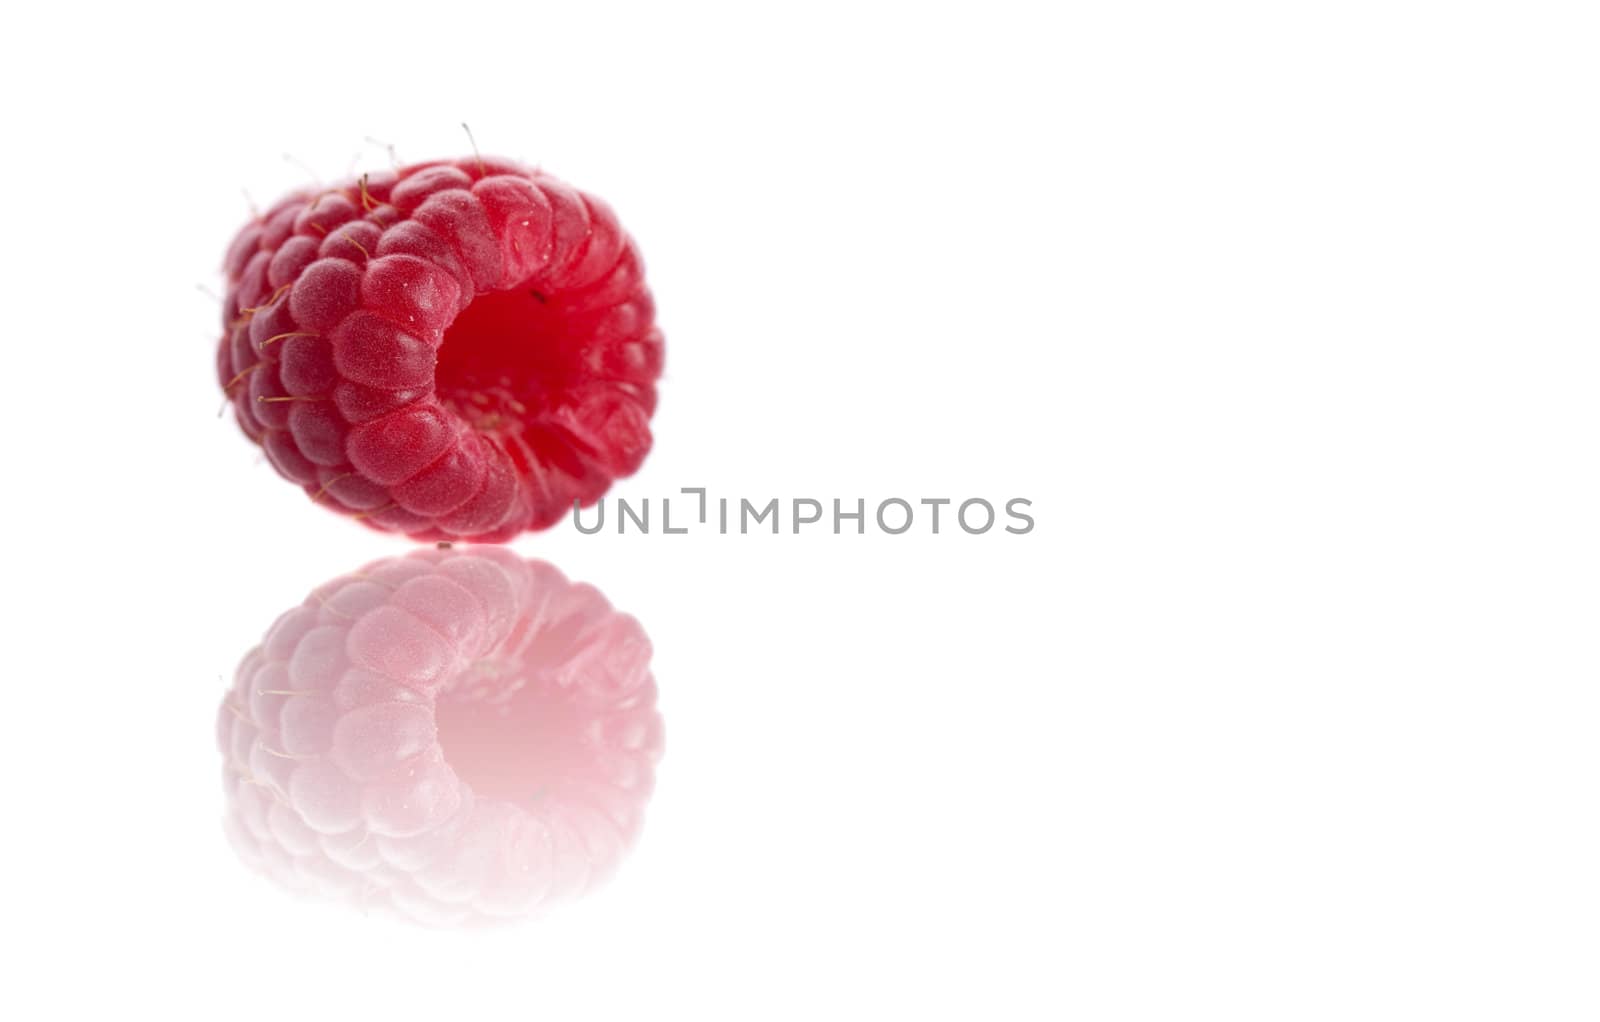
(1282,315)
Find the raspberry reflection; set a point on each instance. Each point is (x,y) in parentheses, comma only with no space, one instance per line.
(461,736)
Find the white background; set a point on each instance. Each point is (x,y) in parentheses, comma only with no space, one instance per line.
(1283,316)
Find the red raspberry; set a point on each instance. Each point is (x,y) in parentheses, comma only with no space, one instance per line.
(459,736)
(456,349)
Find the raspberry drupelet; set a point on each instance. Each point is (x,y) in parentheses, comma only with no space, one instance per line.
(457,349)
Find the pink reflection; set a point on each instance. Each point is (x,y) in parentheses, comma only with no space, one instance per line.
(458,735)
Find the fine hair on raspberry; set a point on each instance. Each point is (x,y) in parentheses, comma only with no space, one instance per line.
(459,349)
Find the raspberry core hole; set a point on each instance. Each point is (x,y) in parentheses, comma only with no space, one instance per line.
(527,750)
(507,360)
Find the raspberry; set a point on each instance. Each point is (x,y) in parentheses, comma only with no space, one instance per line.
(453,350)
(458,736)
